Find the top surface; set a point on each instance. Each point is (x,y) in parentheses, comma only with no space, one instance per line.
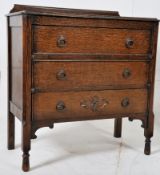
(66,12)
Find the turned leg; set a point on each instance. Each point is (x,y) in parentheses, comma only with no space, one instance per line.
(26,142)
(11,131)
(147,149)
(25,162)
(117,127)
(148,133)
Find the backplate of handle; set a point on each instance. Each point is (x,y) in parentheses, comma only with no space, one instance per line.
(125,102)
(129,43)
(61,41)
(126,73)
(61,75)
(60,106)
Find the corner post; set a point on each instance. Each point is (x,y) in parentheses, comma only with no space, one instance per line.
(27,118)
(149,123)
(117,127)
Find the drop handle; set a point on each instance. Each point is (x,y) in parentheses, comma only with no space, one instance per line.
(61,75)
(126,73)
(129,43)
(61,41)
(125,102)
(60,106)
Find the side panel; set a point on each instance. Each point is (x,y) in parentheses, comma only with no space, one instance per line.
(15,63)
(16,68)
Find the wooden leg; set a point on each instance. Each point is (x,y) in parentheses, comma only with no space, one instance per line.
(148,133)
(117,127)
(26,144)
(25,162)
(11,131)
(147,149)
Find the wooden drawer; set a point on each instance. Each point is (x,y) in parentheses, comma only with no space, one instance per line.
(52,39)
(88,104)
(89,75)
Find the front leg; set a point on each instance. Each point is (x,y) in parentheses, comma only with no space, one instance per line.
(148,133)
(26,142)
(117,127)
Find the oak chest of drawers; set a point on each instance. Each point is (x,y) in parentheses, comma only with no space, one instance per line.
(71,65)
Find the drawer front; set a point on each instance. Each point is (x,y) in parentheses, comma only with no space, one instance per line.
(88,104)
(91,75)
(51,39)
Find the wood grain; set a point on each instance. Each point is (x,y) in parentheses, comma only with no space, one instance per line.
(62,11)
(89,75)
(111,23)
(90,40)
(44,104)
(17,70)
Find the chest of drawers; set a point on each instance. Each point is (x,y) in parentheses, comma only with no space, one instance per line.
(71,65)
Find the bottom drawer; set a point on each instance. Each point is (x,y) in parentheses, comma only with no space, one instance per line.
(61,106)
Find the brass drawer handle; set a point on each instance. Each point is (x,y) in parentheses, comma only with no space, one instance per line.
(125,102)
(60,106)
(126,73)
(61,42)
(94,103)
(61,75)
(129,43)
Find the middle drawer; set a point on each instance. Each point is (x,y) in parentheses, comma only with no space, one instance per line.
(89,75)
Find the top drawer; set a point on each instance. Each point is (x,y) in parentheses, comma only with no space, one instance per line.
(88,40)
